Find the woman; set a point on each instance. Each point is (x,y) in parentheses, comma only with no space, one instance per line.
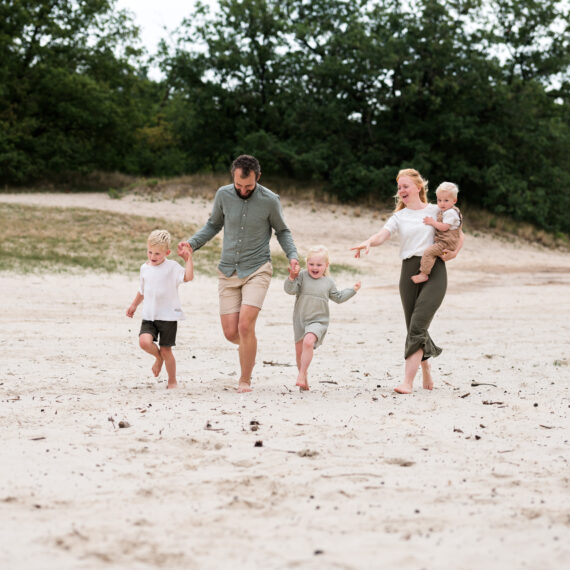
(421,301)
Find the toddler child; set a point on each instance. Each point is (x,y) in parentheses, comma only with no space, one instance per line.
(447,229)
(159,281)
(313,288)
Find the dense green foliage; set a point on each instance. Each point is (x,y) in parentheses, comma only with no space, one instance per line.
(343,92)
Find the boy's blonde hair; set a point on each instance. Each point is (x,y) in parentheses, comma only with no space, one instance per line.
(321,251)
(159,237)
(448,187)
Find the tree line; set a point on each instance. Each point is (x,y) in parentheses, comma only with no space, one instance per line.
(341,92)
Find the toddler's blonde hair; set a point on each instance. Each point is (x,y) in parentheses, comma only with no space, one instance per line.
(321,251)
(448,187)
(159,237)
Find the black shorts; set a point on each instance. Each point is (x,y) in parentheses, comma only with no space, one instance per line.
(163,330)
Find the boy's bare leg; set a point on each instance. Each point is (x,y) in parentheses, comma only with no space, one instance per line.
(239,328)
(419,278)
(308,346)
(410,370)
(426,375)
(146,342)
(170,365)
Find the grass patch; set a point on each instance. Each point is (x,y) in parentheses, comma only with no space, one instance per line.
(34,238)
(41,239)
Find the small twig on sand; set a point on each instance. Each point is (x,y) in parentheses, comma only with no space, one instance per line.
(475,384)
(271,363)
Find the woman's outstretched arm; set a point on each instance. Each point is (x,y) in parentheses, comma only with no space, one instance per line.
(374,240)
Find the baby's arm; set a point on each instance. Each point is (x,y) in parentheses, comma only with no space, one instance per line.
(186,255)
(440,226)
(136,302)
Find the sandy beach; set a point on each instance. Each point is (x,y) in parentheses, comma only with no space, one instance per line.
(349,475)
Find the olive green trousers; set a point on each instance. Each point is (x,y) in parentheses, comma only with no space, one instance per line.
(420,302)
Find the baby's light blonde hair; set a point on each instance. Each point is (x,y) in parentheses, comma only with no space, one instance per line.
(321,251)
(160,238)
(448,187)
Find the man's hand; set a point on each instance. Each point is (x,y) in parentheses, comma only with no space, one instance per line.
(294,269)
(184,249)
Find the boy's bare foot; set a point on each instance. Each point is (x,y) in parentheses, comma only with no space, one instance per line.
(172,384)
(426,376)
(419,278)
(244,385)
(157,366)
(403,389)
(302,382)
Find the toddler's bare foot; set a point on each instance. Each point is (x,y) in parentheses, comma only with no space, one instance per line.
(403,389)
(302,382)
(157,366)
(419,278)
(426,376)
(172,384)
(244,385)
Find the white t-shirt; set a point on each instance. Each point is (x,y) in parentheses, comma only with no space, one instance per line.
(452,218)
(159,286)
(415,236)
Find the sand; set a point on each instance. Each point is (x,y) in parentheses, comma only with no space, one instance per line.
(347,476)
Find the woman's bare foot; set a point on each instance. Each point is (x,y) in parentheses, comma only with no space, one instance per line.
(426,375)
(302,382)
(172,384)
(403,389)
(157,366)
(244,386)
(419,278)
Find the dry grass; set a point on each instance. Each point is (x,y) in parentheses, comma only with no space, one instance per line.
(36,238)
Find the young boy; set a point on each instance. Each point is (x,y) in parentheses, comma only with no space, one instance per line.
(447,229)
(159,281)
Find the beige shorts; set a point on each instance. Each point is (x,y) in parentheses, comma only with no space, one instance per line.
(251,290)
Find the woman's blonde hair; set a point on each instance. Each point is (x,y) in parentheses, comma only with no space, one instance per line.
(159,237)
(321,251)
(418,181)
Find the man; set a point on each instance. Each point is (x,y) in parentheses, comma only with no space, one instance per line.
(248,212)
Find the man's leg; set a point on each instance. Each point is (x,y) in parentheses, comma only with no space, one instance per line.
(239,328)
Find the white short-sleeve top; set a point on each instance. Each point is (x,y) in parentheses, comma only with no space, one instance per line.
(415,236)
(159,286)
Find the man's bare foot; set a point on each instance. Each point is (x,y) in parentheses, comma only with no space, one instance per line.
(403,389)
(244,386)
(172,384)
(419,278)
(426,376)
(157,366)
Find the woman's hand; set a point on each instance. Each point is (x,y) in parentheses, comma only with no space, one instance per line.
(365,245)
(449,254)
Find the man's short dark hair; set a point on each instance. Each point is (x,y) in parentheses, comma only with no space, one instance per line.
(247,164)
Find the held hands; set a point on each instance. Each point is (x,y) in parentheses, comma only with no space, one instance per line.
(294,269)
(356,286)
(184,250)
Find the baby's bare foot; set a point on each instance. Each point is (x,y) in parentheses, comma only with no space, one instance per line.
(420,278)
(157,366)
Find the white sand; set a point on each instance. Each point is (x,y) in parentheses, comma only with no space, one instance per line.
(350,475)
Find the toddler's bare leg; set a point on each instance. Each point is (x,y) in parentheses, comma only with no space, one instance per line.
(308,347)
(170,365)
(147,343)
